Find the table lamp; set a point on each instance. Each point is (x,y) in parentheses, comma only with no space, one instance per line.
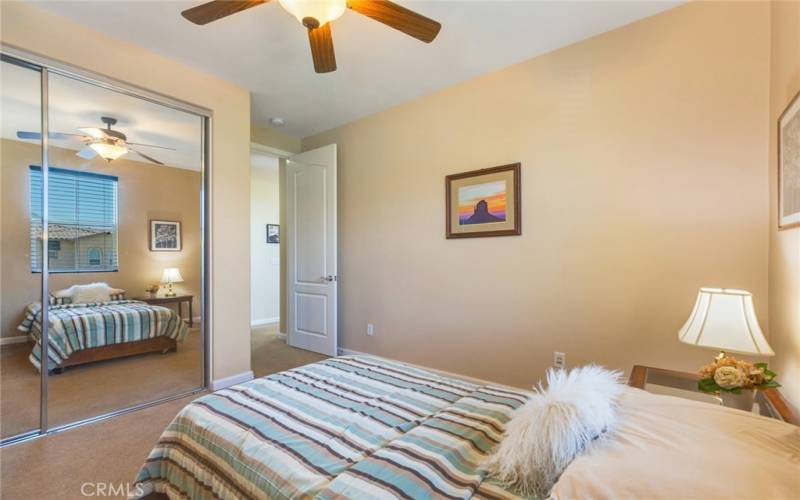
(725,320)
(171,275)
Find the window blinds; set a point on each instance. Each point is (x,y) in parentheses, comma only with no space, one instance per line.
(82,221)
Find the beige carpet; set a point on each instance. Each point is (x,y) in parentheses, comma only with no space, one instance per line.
(112,451)
(93,389)
(270,354)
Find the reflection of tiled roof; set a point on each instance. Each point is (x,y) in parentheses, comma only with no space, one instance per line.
(64,232)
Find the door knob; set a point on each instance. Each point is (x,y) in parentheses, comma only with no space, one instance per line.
(329,278)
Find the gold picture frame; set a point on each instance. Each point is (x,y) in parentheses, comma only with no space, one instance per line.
(789,166)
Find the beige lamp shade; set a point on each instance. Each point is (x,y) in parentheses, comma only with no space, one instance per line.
(171,275)
(724,319)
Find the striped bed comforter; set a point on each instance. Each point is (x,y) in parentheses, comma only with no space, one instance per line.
(74,327)
(347,427)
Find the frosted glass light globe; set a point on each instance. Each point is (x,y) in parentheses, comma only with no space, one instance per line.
(323,11)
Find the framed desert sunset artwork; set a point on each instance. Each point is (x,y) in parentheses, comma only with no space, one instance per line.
(789,166)
(484,202)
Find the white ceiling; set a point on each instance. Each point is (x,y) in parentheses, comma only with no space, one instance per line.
(75,104)
(265,50)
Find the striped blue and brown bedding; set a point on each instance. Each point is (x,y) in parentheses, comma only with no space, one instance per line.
(346,427)
(74,327)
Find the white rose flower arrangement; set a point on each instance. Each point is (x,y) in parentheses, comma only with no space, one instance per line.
(732,375)
(729,377)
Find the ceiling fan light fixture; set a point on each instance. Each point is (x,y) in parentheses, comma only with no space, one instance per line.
(109,150)
(311,12)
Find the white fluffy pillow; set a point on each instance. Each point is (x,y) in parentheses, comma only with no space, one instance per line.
(554,426)
(93,292)
(65,293)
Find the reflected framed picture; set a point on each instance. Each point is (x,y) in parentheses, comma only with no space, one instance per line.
(165,236)
(484,202)
(273,233)
(789,166)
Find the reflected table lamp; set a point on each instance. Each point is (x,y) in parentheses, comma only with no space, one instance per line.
(725,320)
(171,275)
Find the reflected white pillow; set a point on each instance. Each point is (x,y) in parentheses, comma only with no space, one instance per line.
(93,292)
(555,426)
(65,293)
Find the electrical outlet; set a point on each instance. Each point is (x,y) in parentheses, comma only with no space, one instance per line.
(559,360)
(370,329)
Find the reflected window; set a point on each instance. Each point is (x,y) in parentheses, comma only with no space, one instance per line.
(53,247)
(82,221)
(94,256)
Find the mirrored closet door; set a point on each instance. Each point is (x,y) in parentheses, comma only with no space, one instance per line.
(107,217)
(20,236)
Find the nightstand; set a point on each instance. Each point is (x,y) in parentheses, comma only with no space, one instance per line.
(769,402)
(178,300)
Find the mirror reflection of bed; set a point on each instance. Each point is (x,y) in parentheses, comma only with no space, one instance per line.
(151,344)
(96,322)
(121,331)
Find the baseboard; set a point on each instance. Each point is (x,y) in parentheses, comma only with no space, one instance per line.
(349,352)
(282,335)
(478,381)
(239,378)
(265,321)
(17,339)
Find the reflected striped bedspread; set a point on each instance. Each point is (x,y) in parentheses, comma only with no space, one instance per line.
(74,327)
(347,427)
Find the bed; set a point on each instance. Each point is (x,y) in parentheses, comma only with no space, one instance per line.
(364,427)
(84,333)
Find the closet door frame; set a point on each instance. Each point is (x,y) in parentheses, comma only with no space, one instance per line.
(45,67)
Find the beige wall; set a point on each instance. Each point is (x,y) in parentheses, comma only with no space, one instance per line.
(144,191)
(274,139)
(784,269)
(644,177)
(282,208)
(264,257)
(56,37)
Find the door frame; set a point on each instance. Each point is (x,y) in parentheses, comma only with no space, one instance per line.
(46,66)
(280,156)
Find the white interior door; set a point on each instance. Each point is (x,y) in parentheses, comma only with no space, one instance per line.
(311,250)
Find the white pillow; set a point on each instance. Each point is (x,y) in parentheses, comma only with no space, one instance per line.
(65,293)
(87,294)
(555,426)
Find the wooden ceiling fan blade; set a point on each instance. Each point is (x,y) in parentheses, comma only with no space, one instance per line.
(36,136)
(211,11)
(149,146)
(398,17)
(86,153)
(148,158)
(21,134)
(322,49)
(64,135)
(94,132)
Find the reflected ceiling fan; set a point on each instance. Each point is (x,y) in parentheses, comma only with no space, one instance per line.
(316,16)
(109,144)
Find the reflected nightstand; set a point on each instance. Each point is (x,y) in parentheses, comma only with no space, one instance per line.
(178,300)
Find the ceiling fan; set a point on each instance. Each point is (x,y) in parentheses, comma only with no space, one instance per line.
(316,16)
(109,144)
